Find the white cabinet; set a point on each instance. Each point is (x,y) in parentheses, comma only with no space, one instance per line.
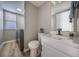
(49,51)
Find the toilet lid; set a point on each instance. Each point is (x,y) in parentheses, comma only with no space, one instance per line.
(34,44)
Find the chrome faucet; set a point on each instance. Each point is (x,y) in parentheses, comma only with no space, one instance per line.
(59,31)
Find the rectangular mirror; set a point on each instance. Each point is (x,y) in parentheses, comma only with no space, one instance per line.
(60,17)
(62,21)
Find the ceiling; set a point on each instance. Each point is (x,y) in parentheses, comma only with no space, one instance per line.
(37,3)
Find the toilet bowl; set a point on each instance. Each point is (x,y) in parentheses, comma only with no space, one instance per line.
(34,46)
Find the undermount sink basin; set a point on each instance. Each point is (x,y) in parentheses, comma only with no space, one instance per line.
(59,36)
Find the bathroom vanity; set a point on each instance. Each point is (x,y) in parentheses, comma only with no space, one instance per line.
(59,45)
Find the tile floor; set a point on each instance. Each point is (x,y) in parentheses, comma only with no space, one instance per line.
(11,49)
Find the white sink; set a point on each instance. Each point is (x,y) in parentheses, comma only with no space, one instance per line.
(57,36)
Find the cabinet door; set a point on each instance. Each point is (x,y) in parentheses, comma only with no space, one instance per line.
(48,51)
(50,48)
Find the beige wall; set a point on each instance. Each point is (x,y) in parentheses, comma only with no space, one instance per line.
(44,16)
(31,23)
(36,18)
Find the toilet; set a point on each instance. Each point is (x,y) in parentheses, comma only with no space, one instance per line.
(34,46)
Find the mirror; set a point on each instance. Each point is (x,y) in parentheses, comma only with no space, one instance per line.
(60,19)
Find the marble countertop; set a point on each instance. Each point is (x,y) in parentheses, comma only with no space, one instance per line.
(68,45)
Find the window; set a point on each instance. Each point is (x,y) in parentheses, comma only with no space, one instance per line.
(10,25)
(10,20)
